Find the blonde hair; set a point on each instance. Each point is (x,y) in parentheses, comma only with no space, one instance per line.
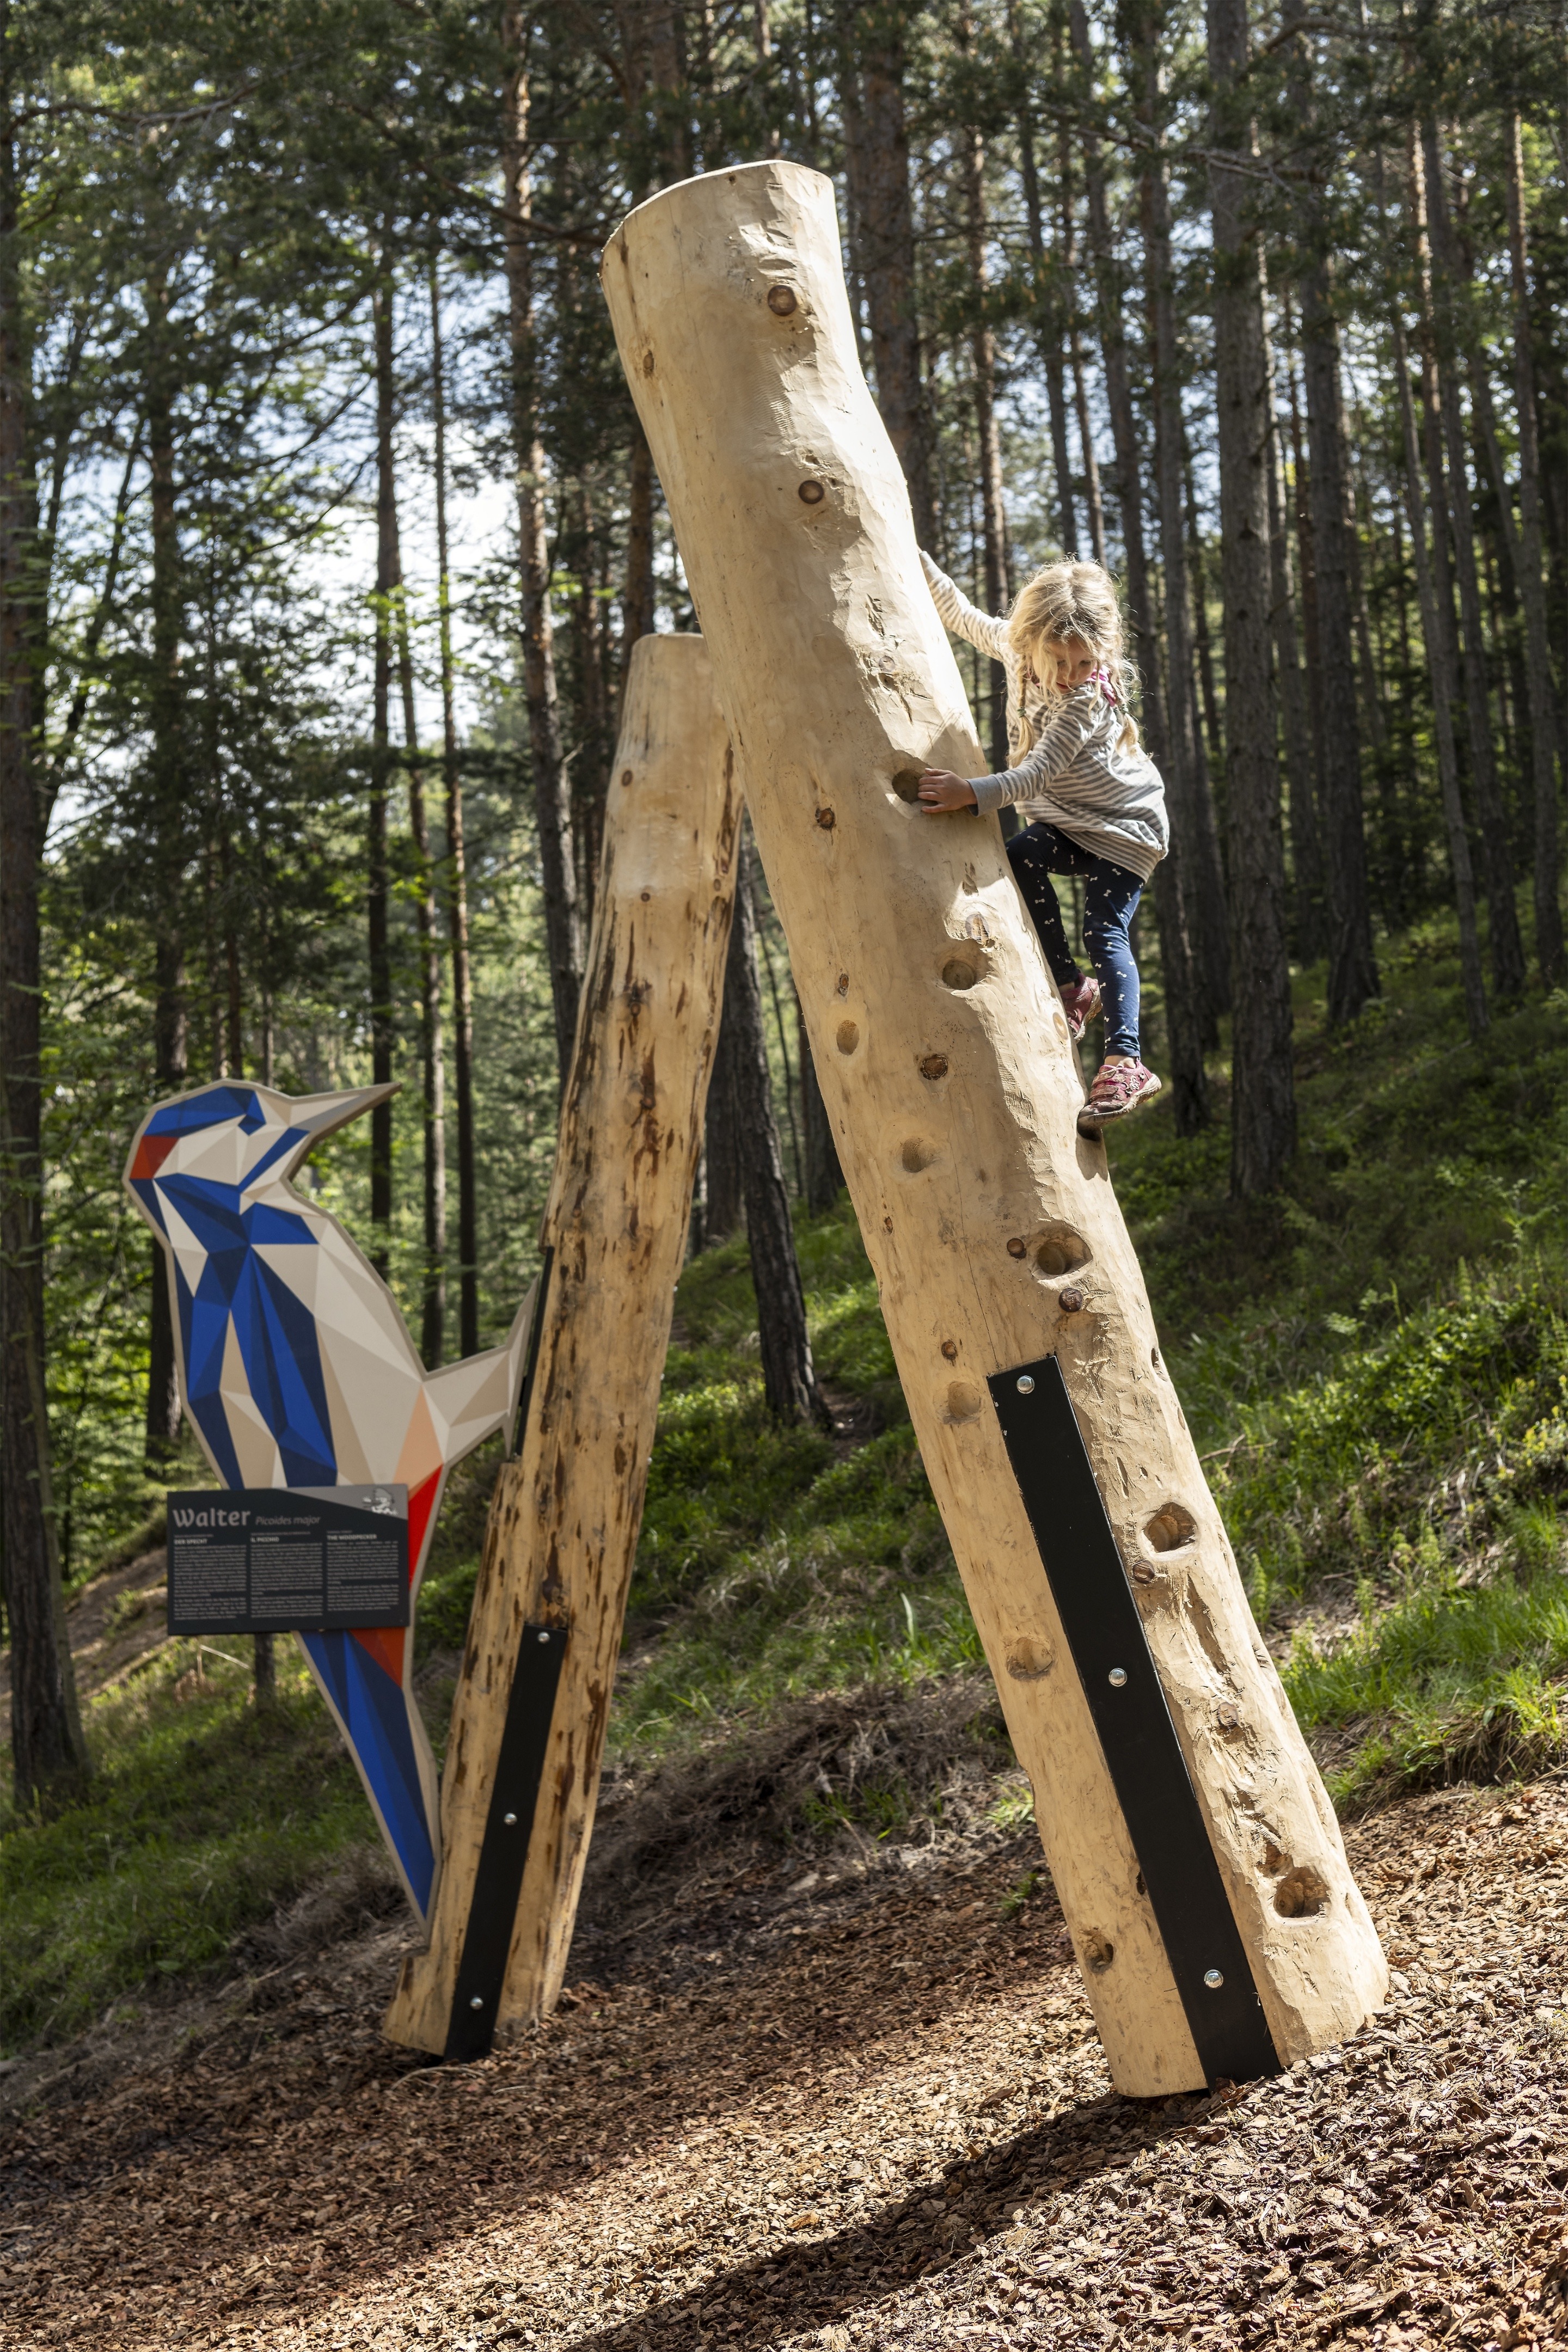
(1064,603)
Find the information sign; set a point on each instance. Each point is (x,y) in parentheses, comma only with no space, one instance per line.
(272,1560)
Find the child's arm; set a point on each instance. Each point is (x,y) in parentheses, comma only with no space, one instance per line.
(1082,712)
(962,619)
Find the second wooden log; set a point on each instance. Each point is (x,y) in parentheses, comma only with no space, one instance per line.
(545,1631)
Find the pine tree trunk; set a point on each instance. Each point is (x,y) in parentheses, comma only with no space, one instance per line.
(1497,856)
(637,597)
(1193,927)
(378,909)
(1197,564)
(1352,965)
(167,805)
(983,359)
(456,877)
(1549,945)
(432,1041)
(876,156)
(264,1670)
(1094,512)
(552,791)
(724,1193)
(590,767)
(1432,600)
(1184,1017)
(47,1745)
(1263,1113)
(1306,860)
(1214,932)
(1047,305)
(789,1381)
(823,1176)
(1366,662)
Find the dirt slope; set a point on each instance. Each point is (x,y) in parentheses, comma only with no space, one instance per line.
(861,2112)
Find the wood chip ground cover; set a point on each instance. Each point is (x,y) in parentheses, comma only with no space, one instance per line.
(860,2110)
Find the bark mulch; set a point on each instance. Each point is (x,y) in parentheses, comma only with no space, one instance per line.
(859,2110)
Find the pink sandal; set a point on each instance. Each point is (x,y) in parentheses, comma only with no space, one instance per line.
(1080,1003)
(1119,1087)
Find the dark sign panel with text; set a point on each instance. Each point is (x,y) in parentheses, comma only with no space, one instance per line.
(265,1559)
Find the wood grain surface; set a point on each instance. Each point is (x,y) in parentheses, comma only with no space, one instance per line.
(563,1524)
(954,1091)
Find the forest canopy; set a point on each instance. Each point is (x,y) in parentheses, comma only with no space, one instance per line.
(326,527)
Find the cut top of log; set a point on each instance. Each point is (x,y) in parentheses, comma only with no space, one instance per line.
(793,504)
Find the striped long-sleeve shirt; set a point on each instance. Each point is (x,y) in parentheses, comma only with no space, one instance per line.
(1078,776)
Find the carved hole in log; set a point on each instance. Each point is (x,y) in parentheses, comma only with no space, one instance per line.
(1301,1894)
(1171,1528)
(962,1401)
(781,302)
(812,493)
(958,973)
(848,1036)
(1029,1658)
(907,783)
(1058,1250)
(1098,1951)
(916,1154)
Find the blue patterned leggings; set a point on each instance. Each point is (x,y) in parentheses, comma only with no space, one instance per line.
(1111,896)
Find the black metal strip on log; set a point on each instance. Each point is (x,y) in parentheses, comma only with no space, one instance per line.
(514,1794)
(508,1826)
(1127,1700)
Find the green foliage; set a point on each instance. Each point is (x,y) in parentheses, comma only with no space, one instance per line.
(201,1818)
(1447,1682)
(769,1566)
(1376,1366)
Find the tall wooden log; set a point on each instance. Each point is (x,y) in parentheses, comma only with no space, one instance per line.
(564,1524)
(953,1093)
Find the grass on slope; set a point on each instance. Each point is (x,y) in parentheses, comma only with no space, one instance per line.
(1375,1363)
(202,1818)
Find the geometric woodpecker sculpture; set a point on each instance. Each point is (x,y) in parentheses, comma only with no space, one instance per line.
(297,1371)
(1191,1841)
